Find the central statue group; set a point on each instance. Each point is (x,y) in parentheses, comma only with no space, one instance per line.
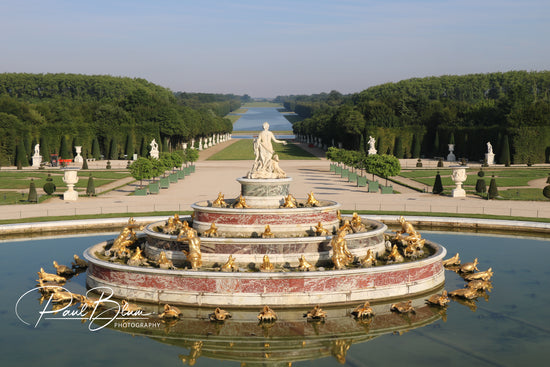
(266,162)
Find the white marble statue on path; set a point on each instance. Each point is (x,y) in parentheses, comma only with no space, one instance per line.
(154,149)
(489,147)
(264,164)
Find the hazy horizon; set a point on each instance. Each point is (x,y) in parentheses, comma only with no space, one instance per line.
(266,49)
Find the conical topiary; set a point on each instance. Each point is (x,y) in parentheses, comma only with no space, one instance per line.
(85,164)
(49,186)
(493,190)
(90,189)
(33,195)
(438,185)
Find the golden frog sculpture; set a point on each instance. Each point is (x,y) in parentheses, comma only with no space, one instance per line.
(304,265)
(480,285)
(267,315)
(170,312)
(170,226)
(346,227)
(229,266)
(163,262)
(320,231)
(403,307)
(316,314)
(63,270)
(267,232)
(194,254)
(341,256)
(266,265)
(469,267)
(212,231)
(220,201)
(48,277)
(137,259)
(130,307)
(439,299)
(406,227)
(78,263)
(241,203)
(394,256)
(482,275)
(362,311)
(369,259)
(311,201)
(219,314)
(289,202)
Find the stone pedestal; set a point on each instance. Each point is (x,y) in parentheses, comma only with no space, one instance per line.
(490,158)
(70,178)
(372,151)
(459,176)
(36,160)
(78,158)
(264,193)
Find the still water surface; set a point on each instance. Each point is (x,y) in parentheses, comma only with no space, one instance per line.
(253,119)
(511,328)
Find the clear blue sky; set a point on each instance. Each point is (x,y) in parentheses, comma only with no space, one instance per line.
(270,48)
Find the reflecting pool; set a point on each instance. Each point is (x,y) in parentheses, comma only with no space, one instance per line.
(509,328)
(253,119)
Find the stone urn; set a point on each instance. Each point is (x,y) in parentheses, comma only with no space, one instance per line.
(451,156)
(70,178)
(78,158)
(459,176)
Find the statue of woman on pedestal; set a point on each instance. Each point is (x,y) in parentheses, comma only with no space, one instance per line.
(264,165)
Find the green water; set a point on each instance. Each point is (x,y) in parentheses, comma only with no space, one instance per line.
(511,328)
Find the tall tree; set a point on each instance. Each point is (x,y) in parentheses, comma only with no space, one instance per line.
(96,153)
(64,149)
(505,152)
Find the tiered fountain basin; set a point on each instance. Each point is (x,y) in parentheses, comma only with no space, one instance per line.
(286,287)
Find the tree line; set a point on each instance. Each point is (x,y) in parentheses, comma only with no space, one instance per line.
(420,116)
(108,116)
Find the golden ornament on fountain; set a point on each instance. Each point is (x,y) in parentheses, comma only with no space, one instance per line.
(356,223)
(439,299)
(467,293)
(137,259)
(316,314)
(219,314)
(469,267)
(229,266)
(240,203)
(341,256)
(452,261)
(62,296)
(320,231)
(403,307)
(267,232)
(266,265)
(170,312)
(194,254)
(220,201)
(311,201)
(48,277)
(304,265)
(369,259)
(78,263)
(346,227)
(267,315)
(63,270)
(480,285)
(362,311)
(482,275)
(394,256)
(212,231)
(163,262)
(289,201)
(130,307)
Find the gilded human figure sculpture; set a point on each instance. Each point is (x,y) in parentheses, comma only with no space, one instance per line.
(194,253)
(264,166)
(341,256)
(125,239)
(219,202)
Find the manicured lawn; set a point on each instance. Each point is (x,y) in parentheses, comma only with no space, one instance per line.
(21,179)
(243,150)
(522,194)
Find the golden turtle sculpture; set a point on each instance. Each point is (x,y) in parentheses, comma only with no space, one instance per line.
(439,299)
(267,315)
(469,267)
(467,293)
(452,261)
(63,270)
(78,263)
(403,307)
(481,275)
(48,277)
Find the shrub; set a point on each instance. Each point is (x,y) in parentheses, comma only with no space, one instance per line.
(419,163)
(481,173)
(438,185)
(108,164)
(49,186)
(493,190)
(85,164)
(546,192)
(33,195)
(90,189)
(440,163)
(481,186)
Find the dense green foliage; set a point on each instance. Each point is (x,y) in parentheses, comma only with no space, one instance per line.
(61,109)
(470,109)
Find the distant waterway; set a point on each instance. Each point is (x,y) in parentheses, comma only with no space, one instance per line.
(253,119)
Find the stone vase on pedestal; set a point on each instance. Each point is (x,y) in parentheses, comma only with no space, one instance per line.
(36,160)
(459,176)
(451,157)
(78,158)
(490,158)
(70,178)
